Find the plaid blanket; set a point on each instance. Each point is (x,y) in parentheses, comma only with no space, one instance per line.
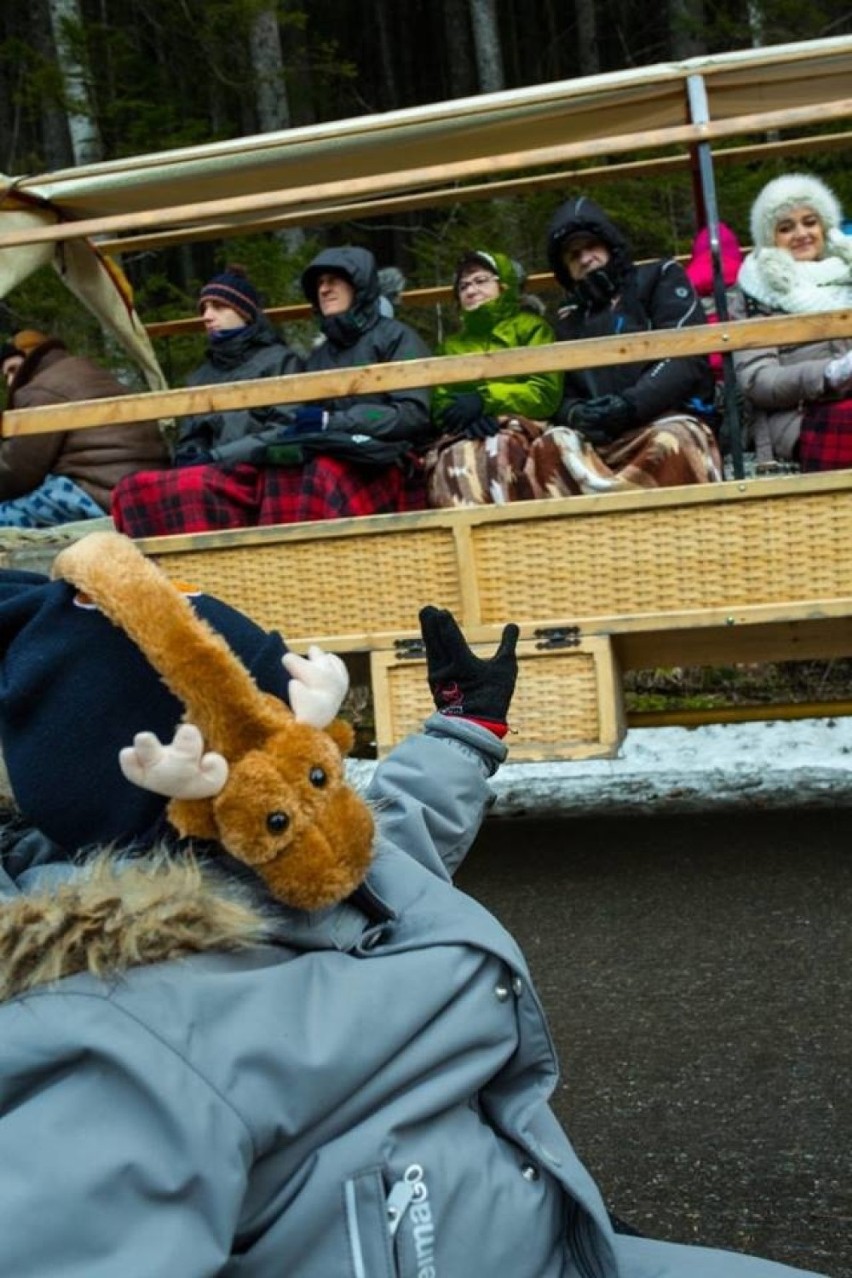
(825,441)
(156,503)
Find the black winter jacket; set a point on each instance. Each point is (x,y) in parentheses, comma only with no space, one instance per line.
(625,298)
(360,337)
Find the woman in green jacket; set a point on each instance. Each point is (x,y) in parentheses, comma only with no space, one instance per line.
(487,427)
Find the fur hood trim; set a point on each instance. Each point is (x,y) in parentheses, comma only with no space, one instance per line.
(794,190)
(773,278)
(120,914)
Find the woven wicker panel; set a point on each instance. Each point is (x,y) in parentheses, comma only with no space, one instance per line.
(666,558)
(330,586)
(554,713)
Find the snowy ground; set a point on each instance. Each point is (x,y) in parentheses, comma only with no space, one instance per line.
(801,763)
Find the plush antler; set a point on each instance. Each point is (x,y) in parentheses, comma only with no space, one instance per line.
(283,805)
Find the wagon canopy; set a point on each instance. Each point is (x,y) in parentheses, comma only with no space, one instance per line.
(468,148)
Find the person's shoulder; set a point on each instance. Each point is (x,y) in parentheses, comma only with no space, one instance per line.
(390,331)
(528,325)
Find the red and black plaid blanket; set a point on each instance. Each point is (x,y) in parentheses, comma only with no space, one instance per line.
(825,442)
(192,499)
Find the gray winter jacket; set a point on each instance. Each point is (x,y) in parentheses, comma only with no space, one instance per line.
(778,381)
(252,352)
(361,1094)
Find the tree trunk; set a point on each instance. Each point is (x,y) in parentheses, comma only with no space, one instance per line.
(273,107)
(588,50)
(457,49)
(486,41)
(756,22)
(66,23)
(389,93)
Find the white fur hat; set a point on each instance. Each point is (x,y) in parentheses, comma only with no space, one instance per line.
(790,192)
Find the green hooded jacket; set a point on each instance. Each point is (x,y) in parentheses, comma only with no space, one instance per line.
(494,326)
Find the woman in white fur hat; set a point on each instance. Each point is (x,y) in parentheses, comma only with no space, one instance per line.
(801,264)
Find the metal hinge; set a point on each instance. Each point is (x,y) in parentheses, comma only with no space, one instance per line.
(558,637)
(409,649)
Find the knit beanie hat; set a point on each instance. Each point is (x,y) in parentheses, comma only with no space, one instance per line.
(28,339)
(794,190)
(233,288)
(75,689)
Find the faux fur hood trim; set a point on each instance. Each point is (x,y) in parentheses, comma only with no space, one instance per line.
(792,190)
(120,914)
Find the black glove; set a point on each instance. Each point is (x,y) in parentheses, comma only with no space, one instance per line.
(607,415)
(461,411)
(463,684)
(481,428)
(308,418)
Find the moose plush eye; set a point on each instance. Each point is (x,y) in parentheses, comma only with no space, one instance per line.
(317,777)
(277,822)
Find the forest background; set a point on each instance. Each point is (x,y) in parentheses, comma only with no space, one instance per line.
(88,80)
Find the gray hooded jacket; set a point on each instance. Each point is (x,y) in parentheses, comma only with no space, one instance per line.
(362,336)
(225,1090)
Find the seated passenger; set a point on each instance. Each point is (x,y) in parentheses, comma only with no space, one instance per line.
(358,446)
(58,477)
(801,264)
(313,461)
(623,426)
(487,426)
(242,345)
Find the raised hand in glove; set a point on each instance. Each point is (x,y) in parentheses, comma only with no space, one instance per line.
(481,428)
(461,411)
(462,684)
(608,415)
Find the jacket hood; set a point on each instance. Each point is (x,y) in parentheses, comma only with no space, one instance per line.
(359,267)
(482,320)
(584,215)
(699,268)
(793,190)
(48,352)
(112,915)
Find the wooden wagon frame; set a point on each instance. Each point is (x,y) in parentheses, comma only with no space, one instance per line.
(747,570)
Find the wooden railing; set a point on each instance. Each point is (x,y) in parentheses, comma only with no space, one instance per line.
(300,387)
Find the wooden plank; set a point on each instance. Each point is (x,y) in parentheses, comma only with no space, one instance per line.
(379,378)
(432,175)
(660,166)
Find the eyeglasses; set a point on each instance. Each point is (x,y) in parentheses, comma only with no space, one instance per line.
(476,281)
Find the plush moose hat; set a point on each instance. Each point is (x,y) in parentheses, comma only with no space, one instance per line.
(246,770)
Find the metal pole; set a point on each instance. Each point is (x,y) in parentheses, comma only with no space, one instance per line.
(699,113)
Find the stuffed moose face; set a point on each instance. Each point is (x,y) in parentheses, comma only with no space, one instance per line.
(266,783)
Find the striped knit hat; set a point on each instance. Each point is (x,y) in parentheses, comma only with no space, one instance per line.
(233,288)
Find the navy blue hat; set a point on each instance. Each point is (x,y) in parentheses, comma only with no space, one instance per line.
(74,689)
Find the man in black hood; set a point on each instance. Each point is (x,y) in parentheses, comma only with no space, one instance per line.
(639,424)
